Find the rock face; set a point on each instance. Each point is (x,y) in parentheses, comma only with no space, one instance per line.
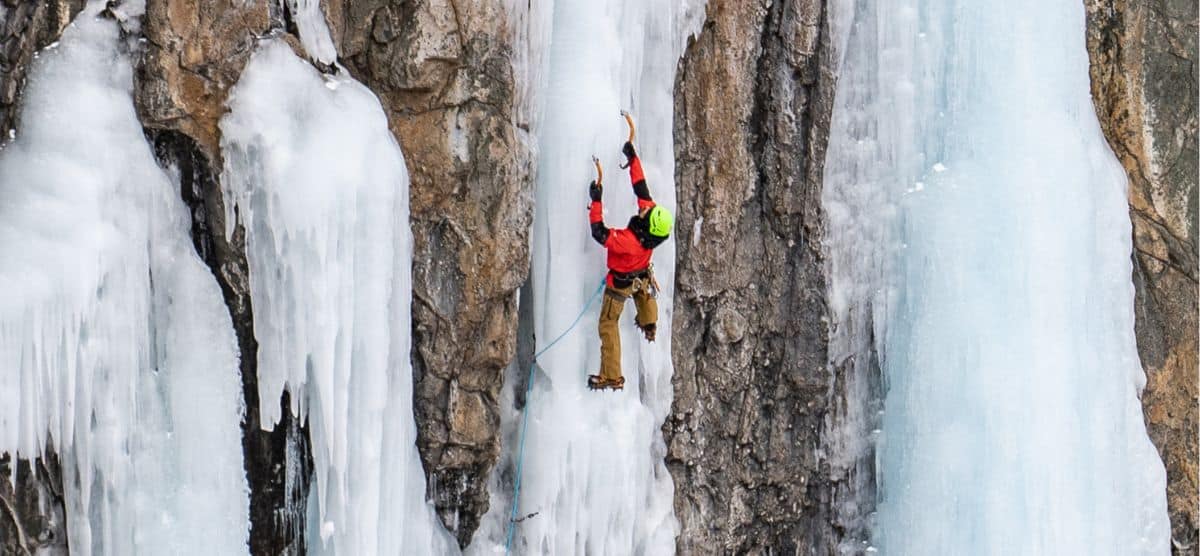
(1144,83)
(753,390)
(749,442)
(33,514)
(194,54)
(443,71)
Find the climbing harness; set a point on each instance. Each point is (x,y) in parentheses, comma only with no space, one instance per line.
(512,518)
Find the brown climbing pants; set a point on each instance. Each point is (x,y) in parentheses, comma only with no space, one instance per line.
(610,314)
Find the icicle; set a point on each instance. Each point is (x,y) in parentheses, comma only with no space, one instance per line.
(320,185)
(115,344)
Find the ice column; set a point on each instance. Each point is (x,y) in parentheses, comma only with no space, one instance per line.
(319,183)
(115,345)
(594,471)
(978,224)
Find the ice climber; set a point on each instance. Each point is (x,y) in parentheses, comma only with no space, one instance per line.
(629,271)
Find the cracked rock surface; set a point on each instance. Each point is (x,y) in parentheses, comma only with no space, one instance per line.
(1144,85)
(443,72)
(753,391)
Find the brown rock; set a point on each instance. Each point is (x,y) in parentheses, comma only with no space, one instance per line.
(1144,84)
(443,71)
(753,392)
(195,52)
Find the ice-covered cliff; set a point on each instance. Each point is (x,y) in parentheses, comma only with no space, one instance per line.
(320,148)
(117,351)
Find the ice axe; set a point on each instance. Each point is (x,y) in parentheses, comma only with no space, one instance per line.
(629,120)
(599,171)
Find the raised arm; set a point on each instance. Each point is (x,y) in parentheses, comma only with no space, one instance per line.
(637,178)
(596,214)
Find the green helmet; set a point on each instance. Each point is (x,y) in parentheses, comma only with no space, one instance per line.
(660,221)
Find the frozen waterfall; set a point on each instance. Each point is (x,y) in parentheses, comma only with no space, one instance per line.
(319,182)
(115,346)
(978,225)
(594,472)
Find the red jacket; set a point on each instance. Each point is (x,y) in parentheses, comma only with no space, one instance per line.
(626,253)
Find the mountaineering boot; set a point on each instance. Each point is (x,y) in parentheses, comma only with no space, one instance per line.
(597,382)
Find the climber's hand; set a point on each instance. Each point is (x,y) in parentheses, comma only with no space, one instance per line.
(595,191)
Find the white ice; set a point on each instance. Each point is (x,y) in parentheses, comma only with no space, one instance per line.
(313,30)
(999,296)
(594,471)
(116,347)
(319,182)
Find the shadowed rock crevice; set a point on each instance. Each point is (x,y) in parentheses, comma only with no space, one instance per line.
(194,55)
(278,462)
(33,515)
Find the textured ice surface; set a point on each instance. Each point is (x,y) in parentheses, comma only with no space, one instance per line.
(594,471)
(115,346)
(320,185)
(978,226)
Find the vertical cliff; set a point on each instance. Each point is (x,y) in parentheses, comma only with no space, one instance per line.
(754,394)
(1144,84)
(443,71)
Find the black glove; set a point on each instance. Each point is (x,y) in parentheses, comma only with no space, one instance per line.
(628,150)
(595,191)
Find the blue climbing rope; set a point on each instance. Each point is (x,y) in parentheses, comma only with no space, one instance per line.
(512,518)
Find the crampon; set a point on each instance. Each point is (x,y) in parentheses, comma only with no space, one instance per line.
(597,382)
